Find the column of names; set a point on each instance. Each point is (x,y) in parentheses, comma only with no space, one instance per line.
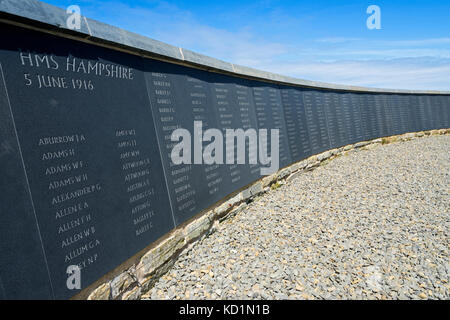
(136,169)
(71,189)
(183,193)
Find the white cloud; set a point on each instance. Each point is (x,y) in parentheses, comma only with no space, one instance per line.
(408,64)
(413,74)
(239,47)
(418,42)
(337,40)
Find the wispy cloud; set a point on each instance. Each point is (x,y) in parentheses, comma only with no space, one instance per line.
(418,42)
(415,42)
(408,73)
(240,47)
(337,40)
(394,63)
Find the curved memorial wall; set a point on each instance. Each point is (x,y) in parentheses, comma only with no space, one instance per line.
(85,140)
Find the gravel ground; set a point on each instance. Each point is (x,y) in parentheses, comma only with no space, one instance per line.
(371,224)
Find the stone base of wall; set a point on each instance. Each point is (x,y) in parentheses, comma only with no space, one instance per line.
(132,283)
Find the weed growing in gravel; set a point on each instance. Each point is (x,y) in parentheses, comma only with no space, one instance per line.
(275,185)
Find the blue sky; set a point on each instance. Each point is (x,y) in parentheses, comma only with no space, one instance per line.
(315,40)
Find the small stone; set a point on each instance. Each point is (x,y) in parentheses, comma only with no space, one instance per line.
(120,284)
(299,287)
(423,295)
(101,293)
(361,144)
(348,147)
(133,294)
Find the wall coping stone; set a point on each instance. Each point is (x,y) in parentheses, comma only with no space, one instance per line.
(49,18)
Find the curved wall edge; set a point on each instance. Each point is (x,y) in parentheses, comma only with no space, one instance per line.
(34,13)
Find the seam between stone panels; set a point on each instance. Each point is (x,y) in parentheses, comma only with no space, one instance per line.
(28,183)
(363,128)
(325,111)
(87,24)
(282,114)
(302,94)
(159,149)
(181,52)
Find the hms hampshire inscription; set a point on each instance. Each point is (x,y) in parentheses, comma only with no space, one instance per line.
(40,62)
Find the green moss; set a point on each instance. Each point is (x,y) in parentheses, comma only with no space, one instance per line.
(275,185)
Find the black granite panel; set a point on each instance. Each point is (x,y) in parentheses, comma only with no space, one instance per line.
(351,103)
(335,121)
(90,152)
(23,265)
(296,123)
(316,120)
(232,100)
(270,115)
